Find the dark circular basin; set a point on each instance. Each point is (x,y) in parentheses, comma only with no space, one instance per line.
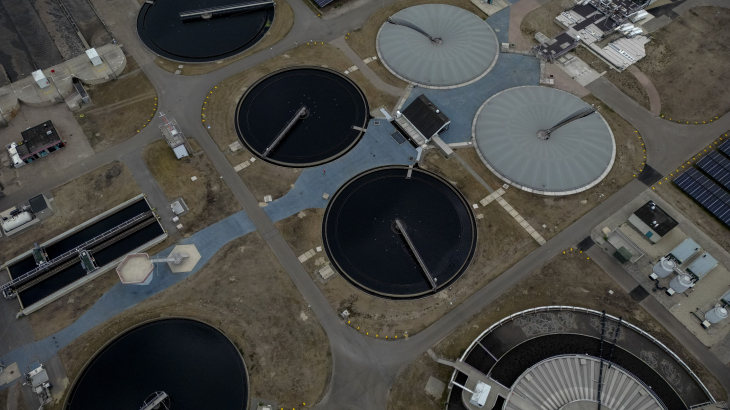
(335,118)
(199,40)
(367,247)
(195,364)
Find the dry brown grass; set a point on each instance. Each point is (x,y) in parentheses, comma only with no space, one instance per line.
(501,243)
(255,304)
(362,40)
(263,178)
(220,107)
(76,202)
(687,61)
(625,81)
(208,197)
(557,213)
(280,27)
(542,19)
(121,107)
(568,279)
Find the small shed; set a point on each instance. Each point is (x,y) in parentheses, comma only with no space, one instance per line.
(38,142)
(652,221)
(684,250)
(623,255)
(702,265)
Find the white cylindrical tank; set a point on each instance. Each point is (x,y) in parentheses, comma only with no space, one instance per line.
(626,28)
(634,32)
(716,314)
(16,221)
(664,267)
(681,282)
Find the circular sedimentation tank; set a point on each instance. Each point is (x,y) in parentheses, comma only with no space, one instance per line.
(162,30)
(437,46)
(575,157)
(195,364)
(334,116)
(364,240)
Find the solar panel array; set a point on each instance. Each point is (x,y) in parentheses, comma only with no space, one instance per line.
(707,193)
(717,166)
(725,147)
(322,3)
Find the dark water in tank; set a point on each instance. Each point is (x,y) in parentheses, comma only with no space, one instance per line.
(334,103)
(195,364)
(361,238)
(161,29)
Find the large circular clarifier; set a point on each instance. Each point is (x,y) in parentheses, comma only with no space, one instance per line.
(163,31)
(363,235)
(575,157)
(436,45)
(193,363)
(301,116)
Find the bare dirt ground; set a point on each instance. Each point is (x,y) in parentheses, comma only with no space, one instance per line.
(542,19)
(62,312)
(18,403)
(208,197)
(685,61)
(220,106)
(121,107)
(557,213)
(245,293)
(625,81)
(74,203)
(362,40)
(568,279)
(280,27)
(501,243)
(263,178)
(694,212)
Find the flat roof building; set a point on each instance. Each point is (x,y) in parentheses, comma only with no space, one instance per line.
(652,221)
(38,142)
(422,120)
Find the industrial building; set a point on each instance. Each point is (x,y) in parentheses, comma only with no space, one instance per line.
(590,21)
(652,221)
(422,122)
(37,142)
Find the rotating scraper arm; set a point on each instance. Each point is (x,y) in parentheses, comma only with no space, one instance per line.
(404,23)
(582,113)
(402,229)
(300,114)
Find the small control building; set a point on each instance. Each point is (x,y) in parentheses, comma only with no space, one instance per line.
(422,122)
(38,142)
(652,221)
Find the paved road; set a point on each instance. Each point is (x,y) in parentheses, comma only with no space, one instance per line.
(366,368)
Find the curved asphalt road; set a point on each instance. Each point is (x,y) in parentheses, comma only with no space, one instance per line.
(365,368)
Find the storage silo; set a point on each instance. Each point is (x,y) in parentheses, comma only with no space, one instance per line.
(716,314)
(681,282)
(664,267)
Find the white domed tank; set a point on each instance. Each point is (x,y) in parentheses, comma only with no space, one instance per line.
(16,221)
(681,282)
(716,314)
(664,267)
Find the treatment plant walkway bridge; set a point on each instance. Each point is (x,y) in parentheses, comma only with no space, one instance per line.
(365,368)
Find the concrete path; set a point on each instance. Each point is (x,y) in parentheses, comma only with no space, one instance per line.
(369,74)
(655,102)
